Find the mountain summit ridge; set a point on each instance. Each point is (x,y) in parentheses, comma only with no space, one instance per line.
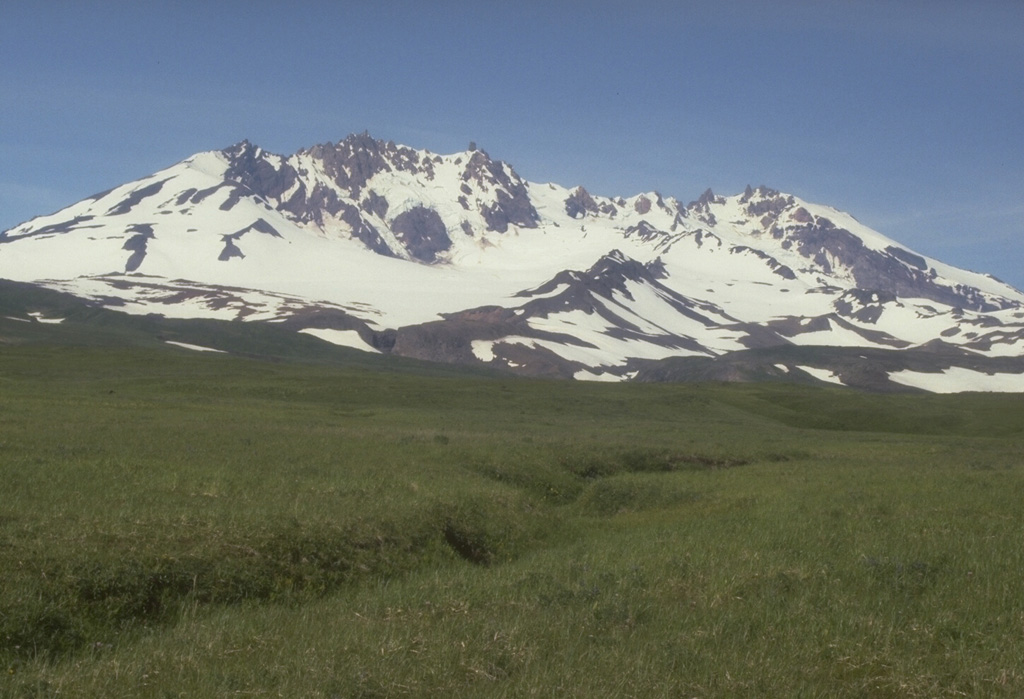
(457,258)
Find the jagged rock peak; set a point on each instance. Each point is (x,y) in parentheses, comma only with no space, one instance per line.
(579,203)
(354,160)
(243,154)
(761,191)
(705,199)
(621,265)
(512,205)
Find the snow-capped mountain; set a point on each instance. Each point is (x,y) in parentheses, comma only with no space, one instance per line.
(456,258)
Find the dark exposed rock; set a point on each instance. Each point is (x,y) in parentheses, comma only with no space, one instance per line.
(579,203)
(137,245)
(802,215)
(251,168)
(607,277)
(657,269)
(702,238)
(795,326)
(198,196)
(513,205)
(643,230)
(126,204)
(52,229)
(774,205)
(375,204)
(705,200)
(451,340)
(260,226)
(352,162)
(235,195)
(363,231)
(232,250)
(858,367)
(336,319)
(907,257)
(533,360)
(863,305)
(776,266)
(642,205)
(701,208)
(422,232)
(510,209)
(822,242)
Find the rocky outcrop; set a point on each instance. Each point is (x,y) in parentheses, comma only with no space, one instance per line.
(863,305)
(137,245)
(837,250)
(351,163)
(580,203)
(250,167)
(776,266)
(422,232)
(512,205)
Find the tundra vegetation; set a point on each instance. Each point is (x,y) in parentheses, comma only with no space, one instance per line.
(176,523)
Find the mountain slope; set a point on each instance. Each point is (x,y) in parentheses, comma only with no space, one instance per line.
(455,257)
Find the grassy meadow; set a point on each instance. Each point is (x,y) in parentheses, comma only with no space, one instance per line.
(176,523)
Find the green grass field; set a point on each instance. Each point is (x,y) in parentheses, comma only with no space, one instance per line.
(183,524)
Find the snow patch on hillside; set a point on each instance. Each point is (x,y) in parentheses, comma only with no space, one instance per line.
(822,374)
(343,338)
(959,379)
(196,348)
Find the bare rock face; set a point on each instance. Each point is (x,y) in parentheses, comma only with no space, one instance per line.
(864,305)
(513,205)
(135,197)
(580,203)
(704,200)
(802,215)
(375,204)
(777,267)
(644,231)
(907,257)
(773,204)
(422,232)
(231,249)
(322,200)
(352,162)
(894,271)
(363,231)
(701,208)
(137,245)
(250,168)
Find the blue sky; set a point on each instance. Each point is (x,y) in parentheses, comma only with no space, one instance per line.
(909,115)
